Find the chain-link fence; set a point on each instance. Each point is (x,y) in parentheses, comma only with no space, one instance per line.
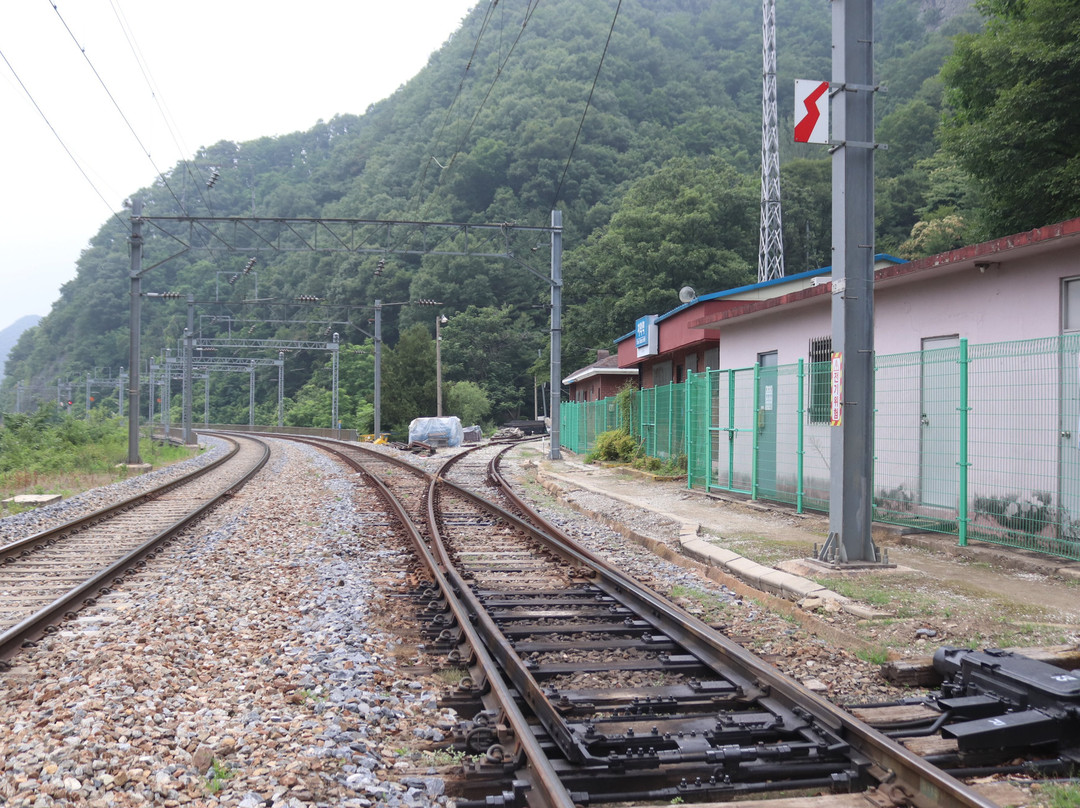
(982,442)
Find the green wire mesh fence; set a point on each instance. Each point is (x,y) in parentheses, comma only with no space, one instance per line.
(981,442)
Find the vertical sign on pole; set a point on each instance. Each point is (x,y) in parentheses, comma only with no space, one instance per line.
(836,401)
(811,111)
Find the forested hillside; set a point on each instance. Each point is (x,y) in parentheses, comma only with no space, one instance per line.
(658,184)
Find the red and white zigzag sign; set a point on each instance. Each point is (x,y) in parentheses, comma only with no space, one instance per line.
(811,111)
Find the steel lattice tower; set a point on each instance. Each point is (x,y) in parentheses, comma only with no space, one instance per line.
(771,242)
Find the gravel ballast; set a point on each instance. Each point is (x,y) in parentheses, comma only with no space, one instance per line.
(255,662)
(238,669)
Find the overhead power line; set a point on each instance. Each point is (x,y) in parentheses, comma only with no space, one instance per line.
(60,140)
(123,116)
(159,102)
(585,111)
(531,9)
(457,95)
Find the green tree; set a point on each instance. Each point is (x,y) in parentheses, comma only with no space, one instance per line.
(494,347)
(408,380)
(313,406)
(468,401)
(806,193)
(691,222)
(1014,122)
(658,189)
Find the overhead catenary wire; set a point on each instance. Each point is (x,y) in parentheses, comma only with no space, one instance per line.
(457,95)
(585,111)
(530,10)
(498,74)
(162,107)
(60,140)
(108,92)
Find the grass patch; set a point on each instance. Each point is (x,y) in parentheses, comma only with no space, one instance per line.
(219,773)
(452,676)
(53,453)
(969,615)
(447,757)
(706,605)
(875,656)
(760,549)
(1058,795)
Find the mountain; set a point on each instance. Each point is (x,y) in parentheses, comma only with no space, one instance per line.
(496,129)
(10,335)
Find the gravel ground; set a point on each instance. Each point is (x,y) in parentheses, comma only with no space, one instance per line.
(238,669)
(257,661)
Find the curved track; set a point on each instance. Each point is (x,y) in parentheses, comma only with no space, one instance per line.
(672,711)
(47,576)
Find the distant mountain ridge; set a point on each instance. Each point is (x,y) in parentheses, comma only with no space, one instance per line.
(10,335)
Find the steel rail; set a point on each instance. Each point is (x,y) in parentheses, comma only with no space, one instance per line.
(550,792)
(52,534)
(489,644)
(901,776)
(38,624)
(922,782)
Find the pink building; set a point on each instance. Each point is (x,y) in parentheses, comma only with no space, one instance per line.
(994,325)
(1015,287)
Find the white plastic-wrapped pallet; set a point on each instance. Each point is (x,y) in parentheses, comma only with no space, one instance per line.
(445,431)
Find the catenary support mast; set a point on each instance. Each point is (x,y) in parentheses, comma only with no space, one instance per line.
(852,451)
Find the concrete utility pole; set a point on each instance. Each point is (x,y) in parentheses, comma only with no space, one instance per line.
(335,418)
(438,364)
(556,330)
(378,369)
(189,340)
(852,451)
(133,325)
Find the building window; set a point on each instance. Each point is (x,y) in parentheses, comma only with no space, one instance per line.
(820,379)
(1070,305)
(661,373)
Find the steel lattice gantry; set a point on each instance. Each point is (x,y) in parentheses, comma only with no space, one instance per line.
(283,346)
(236,364)
(257,234)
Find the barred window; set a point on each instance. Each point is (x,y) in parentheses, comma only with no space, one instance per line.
(820,380)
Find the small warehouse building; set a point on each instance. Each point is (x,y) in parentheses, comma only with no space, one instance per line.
(600,380)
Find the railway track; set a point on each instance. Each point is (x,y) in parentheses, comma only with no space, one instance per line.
(585,687)
(46,577)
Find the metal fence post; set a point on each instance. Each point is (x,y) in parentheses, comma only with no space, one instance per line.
(708,426)
(800,450)
(962,462)
(755,433)
(731,428)
(687,405)
(671,421)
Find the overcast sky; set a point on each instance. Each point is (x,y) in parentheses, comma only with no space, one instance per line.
(221,70)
